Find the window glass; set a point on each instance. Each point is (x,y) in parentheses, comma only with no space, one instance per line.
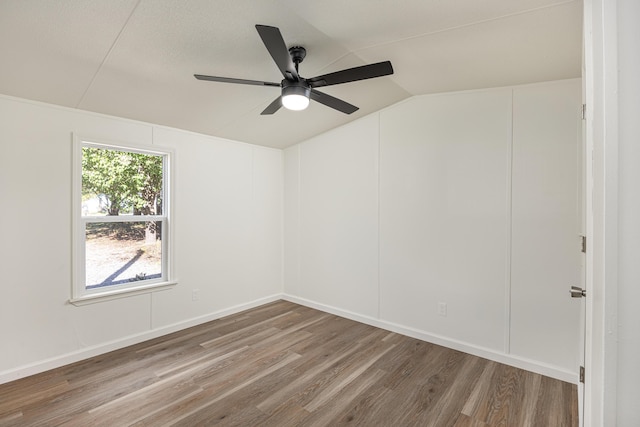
(118,253)
(116,182)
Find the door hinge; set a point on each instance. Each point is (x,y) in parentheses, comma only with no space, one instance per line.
(584,112)
(577,292)
(584,244)
(582,374)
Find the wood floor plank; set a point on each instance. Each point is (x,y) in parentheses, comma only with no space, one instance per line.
(480,390)
(313,366)
(13,418)
(446,409)
(242,333)
(283,364)
(342,399)
(202,414)
(530,400)
(504,399)
(553,395)
(421,395)
(327,380)
(286,416)
(30,395)
(341,381)
(466,421)
(411,357)
(368,409)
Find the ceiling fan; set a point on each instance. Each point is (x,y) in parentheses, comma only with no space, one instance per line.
(296,90)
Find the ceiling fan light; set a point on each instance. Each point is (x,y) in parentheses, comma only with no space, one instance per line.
(295,97)
(295,102)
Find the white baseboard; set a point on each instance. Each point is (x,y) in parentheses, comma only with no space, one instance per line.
(507,359)
(85,353)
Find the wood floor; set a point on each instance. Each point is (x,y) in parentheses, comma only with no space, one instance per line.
(287,365)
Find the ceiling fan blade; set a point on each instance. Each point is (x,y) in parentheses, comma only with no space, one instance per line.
(273,107)
(363,72)
(335,103)
(230,80)
(274,43)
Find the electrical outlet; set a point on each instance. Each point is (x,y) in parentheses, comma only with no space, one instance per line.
(442,309)
(195,295)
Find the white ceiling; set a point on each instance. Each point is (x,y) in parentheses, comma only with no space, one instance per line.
(136,58)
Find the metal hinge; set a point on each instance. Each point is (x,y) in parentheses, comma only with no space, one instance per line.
(584,111)
(577,292)
(584,244)
(582,374)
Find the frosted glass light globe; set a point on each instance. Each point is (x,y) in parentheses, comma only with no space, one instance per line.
(295,102)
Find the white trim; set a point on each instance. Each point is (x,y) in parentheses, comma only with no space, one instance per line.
(85,353)
(79,294)
(378,222)
(123,218)
(121,293)
(580,404)
(487,353)
(130,147)
(600,38)
(509,235)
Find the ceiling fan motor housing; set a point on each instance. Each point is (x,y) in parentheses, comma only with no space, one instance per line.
(298,53)
(300,87)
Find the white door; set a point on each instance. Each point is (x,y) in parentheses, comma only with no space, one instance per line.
(547,218)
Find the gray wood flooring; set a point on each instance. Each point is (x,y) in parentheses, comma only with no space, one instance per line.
(287,365)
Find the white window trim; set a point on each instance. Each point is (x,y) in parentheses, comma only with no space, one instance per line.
(79,294)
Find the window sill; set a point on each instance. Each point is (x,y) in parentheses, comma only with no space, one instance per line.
(121,293)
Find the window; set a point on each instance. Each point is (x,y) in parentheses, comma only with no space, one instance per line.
(121,220)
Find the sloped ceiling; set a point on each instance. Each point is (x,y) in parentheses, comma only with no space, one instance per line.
(136,58)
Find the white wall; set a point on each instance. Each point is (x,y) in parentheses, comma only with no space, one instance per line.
(227,229)
(338,218)
(420,196)
(444,205)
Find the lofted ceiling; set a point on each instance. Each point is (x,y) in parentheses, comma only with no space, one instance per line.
(136,58)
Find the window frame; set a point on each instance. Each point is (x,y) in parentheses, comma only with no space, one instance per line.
(80,295)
